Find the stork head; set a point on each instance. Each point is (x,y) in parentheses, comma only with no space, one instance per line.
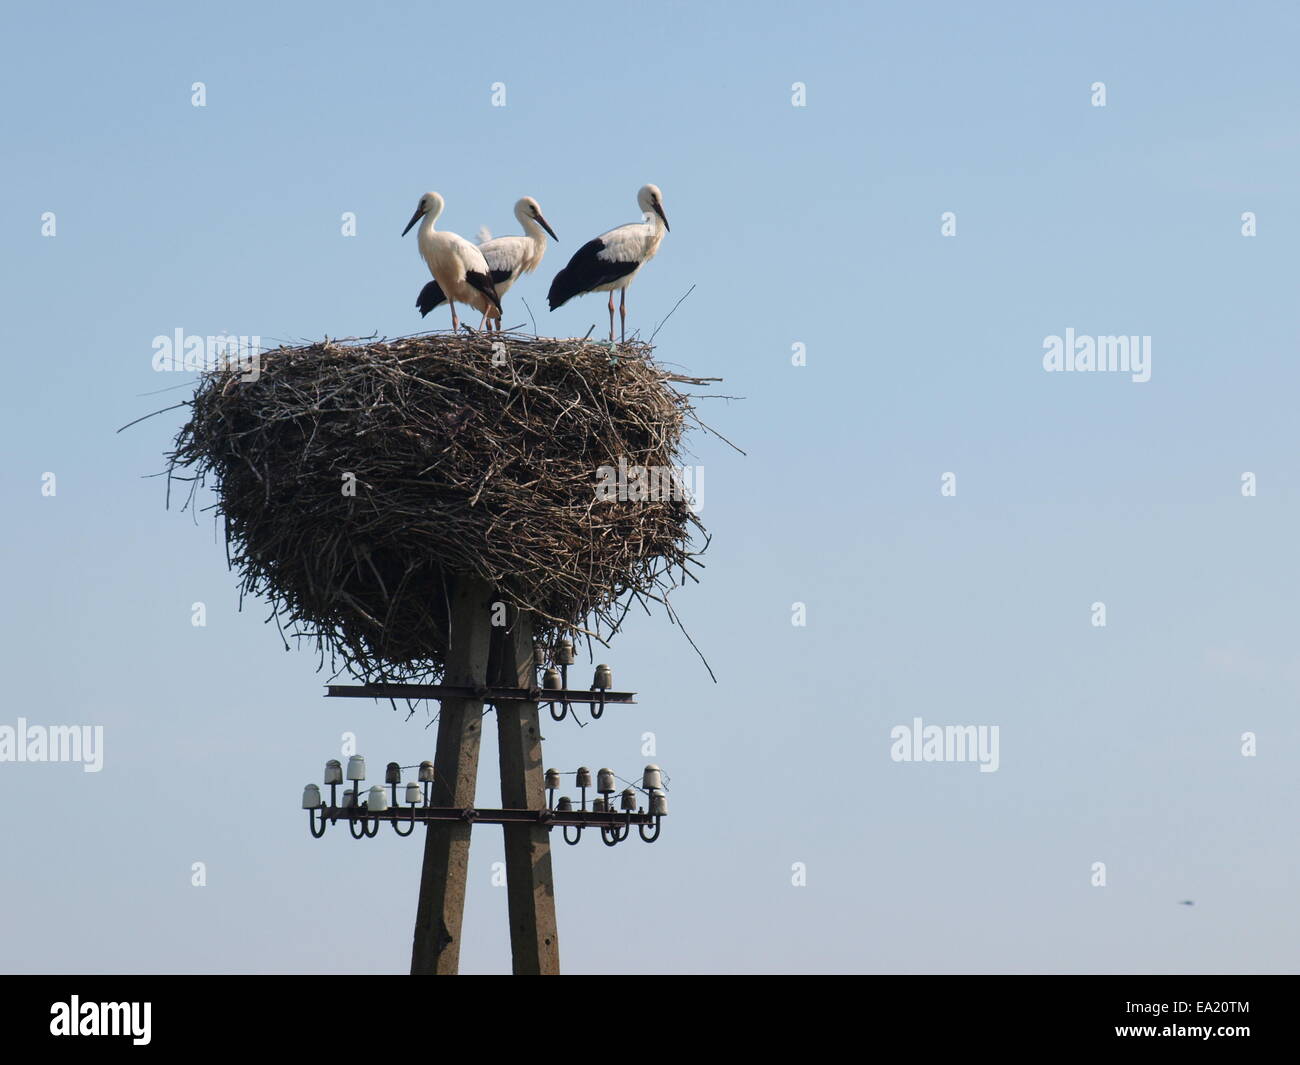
(527,210)
(430,204)
(651,201)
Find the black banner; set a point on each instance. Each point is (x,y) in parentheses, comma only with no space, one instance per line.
(1225,1014)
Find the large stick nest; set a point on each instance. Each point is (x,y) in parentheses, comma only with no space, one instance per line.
(463,465)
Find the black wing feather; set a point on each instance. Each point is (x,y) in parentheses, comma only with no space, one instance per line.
(585,272)
(430,296)
(484,284)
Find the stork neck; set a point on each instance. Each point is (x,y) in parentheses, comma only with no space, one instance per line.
(534,230)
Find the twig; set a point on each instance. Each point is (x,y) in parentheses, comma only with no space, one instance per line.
(530,315)
(670,314)
(174,406)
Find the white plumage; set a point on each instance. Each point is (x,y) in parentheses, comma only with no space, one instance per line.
(458,267)
(613,259)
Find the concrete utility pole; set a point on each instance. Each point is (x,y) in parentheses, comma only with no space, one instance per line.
(479,655)
(496,665)
(534,942)
(441,909)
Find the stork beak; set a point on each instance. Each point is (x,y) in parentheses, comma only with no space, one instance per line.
(660,212)
(542,222)
(419,213)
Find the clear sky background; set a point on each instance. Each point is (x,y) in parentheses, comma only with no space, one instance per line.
(815,225)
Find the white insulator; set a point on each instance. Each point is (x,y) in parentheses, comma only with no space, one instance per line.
(652,779)
(414,796)
(356,768)
(378,801)
(350,797)
(311,797)
(333,771)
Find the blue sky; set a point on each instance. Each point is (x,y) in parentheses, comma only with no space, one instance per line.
(815,225)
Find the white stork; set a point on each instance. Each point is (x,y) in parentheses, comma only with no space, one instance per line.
(508,258)
(457,265)
(611,260)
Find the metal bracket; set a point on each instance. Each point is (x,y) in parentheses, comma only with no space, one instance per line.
(487,693)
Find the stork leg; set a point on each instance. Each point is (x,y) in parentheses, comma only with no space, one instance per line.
(622,312)
(455,322)
(484,322)
(611,314)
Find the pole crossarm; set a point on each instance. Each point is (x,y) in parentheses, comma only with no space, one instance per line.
(474,815)
(483,693)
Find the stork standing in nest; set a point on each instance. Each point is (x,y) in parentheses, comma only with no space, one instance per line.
(611,260)
(508,258)
(457,265)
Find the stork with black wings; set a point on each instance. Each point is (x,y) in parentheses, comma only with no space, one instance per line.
(612,260)
(458,267)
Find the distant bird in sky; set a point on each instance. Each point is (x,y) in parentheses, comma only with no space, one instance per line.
(1187,902)
(457,265)
(612,260)
(508,258)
